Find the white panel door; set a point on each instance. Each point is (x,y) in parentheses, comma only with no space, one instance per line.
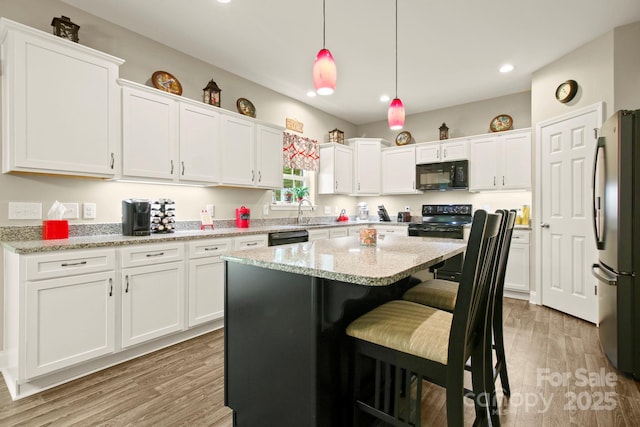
(268,157)
(237,137)
(149,135)
(568,246)
(206,290)
(515,166)
(152,302)
(69,320)
(199,144)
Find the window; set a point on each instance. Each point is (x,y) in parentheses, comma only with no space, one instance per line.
(291,178)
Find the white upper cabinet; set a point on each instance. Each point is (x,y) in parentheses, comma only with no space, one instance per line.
(251,152)
(336,169)
(367,165)
(167,138)
(199,130)
(149,134)
(399,170)
(60,105)
(268,156)
(434,152)
(501,161)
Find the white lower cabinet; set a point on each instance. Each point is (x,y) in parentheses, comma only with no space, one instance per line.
(394,230)
(517,274)
(68,320)
(152,292)
(250,242)
(318,234)
(338,232)
(206,280)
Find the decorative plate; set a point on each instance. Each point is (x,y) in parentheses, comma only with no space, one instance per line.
(245,107)
(501,123)
(166,82)
(403,138)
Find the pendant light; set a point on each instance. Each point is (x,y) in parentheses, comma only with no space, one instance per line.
(324,67)
(395,116)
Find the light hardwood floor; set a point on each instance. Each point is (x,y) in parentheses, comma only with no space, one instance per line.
(183,385)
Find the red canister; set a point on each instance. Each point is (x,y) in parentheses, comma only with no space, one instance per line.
(242,217)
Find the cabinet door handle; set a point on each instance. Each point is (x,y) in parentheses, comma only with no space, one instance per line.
(156,254)
(252,244)
(113,160)
(336,185)
(358,186)
(494,181)
(215,248)
(71,264)
(502,179)
(182,168)
(110,287)
(126,279)
(171,167)
(259,176)
(445,154)
(253,175)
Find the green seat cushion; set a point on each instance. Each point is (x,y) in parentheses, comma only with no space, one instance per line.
(408,327)
(437,293)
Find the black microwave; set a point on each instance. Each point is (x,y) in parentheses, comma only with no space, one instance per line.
(443,176)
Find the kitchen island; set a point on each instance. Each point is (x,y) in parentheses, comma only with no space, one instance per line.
(286,309)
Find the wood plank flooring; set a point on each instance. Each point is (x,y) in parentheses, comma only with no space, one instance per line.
(183,385)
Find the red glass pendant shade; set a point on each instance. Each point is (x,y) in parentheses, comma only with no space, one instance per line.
(396,114)
(324,73)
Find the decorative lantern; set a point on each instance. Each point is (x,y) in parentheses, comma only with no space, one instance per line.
(63,27)
(444,131)
(212,93)
(337,136)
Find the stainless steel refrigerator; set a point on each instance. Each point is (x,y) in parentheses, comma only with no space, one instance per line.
(616,224)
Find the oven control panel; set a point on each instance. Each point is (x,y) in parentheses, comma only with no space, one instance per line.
(429,210)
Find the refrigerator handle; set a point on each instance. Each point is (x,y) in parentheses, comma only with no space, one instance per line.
(609,280)
(598,200)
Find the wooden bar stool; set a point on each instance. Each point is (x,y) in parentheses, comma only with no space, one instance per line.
(401,340)
(442,294)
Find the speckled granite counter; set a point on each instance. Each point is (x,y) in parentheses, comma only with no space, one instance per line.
(344,259)
(29,245)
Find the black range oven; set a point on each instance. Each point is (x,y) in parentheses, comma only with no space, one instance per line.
(446,221)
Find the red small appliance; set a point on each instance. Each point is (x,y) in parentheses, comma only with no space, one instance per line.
(242,217)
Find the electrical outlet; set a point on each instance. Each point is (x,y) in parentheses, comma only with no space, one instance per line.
(89,210)
(71,211)
(265,209)
(18,210)
(407,208)
(211,209)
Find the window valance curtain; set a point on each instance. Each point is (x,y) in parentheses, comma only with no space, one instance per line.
(300,152)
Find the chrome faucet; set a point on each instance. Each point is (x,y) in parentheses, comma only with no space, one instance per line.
(300,208)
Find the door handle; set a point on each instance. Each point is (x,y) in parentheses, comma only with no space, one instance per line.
(544,225)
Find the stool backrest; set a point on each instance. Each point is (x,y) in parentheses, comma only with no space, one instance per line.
(478,274)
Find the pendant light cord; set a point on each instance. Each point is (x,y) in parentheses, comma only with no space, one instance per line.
(396,48)
(324,23)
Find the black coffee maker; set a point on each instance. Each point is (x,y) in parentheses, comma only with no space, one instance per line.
(136,217)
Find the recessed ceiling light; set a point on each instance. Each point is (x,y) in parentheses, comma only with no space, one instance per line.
(385,98)
(224,1)
(311,94)
(506,68)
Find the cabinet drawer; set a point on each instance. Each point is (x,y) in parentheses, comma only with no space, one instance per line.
(249,242)
(391,229)
(338,232)
(520,236)
(69,263)
(208,248)
(151,254)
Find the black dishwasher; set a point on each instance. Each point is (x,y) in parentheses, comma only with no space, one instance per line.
(286,237)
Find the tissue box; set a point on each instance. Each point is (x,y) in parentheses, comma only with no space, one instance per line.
(55,229)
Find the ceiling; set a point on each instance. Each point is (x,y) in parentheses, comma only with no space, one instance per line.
(449,51)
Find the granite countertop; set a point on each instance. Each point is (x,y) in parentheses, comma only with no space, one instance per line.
(115,240)
(344,259)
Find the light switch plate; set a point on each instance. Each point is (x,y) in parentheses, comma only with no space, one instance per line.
(89,210)
(20,210)
(71,211)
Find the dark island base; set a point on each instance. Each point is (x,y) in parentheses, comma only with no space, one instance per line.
(287,356)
